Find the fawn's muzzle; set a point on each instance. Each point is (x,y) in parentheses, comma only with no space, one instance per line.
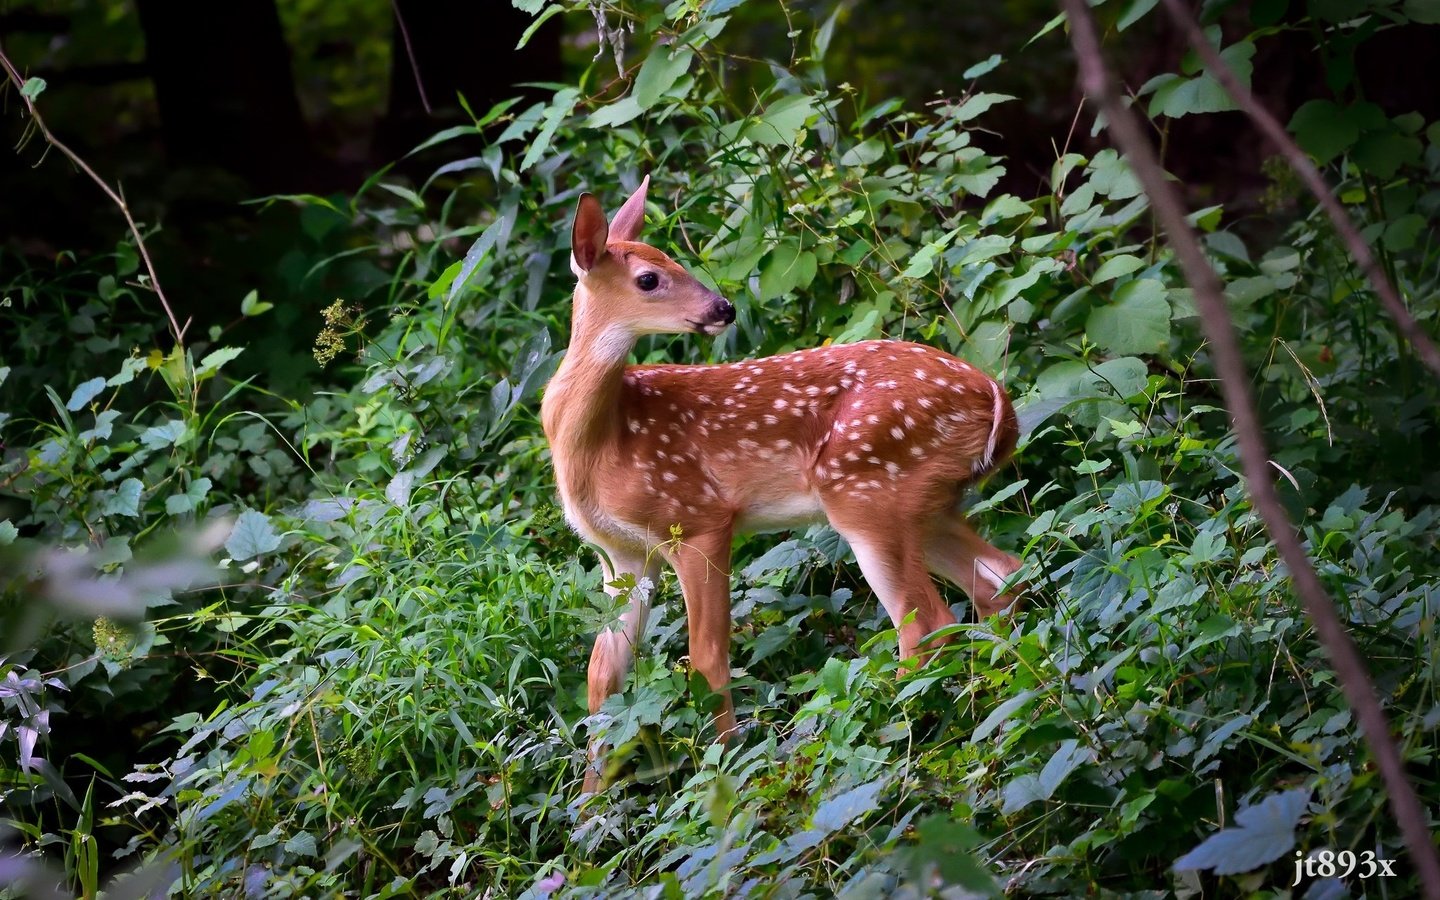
(721,314)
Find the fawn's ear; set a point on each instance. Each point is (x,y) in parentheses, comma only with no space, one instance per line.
(630,220)
(587,237)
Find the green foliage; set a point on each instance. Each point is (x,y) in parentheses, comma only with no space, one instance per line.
(386,693)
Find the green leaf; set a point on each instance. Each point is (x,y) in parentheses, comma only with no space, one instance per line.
(1137,322)
(32,88)
(1265,832)
(302,844)
(555,113)
(1323,130)
(125,500)
(778,124)
(922,262)
(215,359)
(8,533)
(950,847)
(1136,11)
(252,535)
(986,67)
(842,809)
(786,268)
(977,104)
(1027,789)
(1401,234)
(250,305)
(160,436)
(661,70)
(177,504)
(1383,153)
(617,113)
(553,10)
(1116,266)
(1001,713)
(84,393)
(865,153)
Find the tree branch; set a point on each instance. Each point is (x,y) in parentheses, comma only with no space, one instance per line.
(13,75)
(1234,384)
(1313,180)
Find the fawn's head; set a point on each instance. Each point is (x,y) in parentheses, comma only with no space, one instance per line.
(629,284)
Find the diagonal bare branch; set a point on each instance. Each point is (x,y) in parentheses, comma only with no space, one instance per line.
(1313,180)
(13,76)
(1230,366)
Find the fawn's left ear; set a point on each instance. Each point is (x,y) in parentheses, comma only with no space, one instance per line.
(588,235)
(630,220)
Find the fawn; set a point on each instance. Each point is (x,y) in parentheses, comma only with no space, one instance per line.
(878,438)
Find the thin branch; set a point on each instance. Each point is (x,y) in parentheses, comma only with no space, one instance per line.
(1313,180)
(410,54)
(1234,384)
(14,77)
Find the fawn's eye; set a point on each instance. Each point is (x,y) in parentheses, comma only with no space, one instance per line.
(647,281)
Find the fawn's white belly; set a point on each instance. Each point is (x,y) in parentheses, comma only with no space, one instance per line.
(777,510)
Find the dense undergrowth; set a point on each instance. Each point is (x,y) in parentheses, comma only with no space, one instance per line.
(380,690)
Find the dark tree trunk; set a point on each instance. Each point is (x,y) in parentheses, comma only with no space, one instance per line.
(225,90)
(459,47)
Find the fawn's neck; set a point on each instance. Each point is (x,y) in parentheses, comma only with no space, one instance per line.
(581,408)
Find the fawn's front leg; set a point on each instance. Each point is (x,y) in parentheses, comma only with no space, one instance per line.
(702,562)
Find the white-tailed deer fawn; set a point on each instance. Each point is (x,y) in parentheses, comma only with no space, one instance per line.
(878,438)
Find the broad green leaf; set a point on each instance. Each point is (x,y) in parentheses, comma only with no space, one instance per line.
(842,809)
(83,394)
(614,114)
(8,533)
(1401,234)
(252,535)
(160,436)
(1137,322)
(1264,833)
(951,846)
(215,359)
(1116,266)
(864,153)
(32,88)
(177,504)
(1027,789)
(302,844)
(1323,130)
(662,68)
(125,500)
(786,268)
(780,121)
(922,262)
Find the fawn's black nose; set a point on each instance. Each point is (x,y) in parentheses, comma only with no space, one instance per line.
(724,310)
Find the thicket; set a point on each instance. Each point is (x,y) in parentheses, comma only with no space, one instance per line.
(379,691)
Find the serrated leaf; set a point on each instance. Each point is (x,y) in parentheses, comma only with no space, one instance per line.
(252,535)
(302,844)
(84,393)
(1264,833)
